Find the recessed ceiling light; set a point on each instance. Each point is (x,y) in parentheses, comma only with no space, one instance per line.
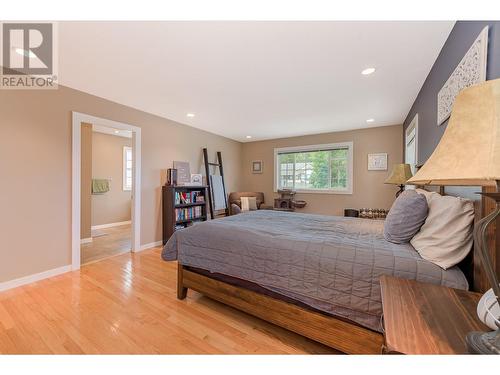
(248,137)
(370,120)
(368,71)
(22,52)
(116,131)
(190,115)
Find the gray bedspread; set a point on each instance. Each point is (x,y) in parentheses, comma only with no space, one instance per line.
(330,263)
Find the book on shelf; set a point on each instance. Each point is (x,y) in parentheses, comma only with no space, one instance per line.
(188,213)
(189,197)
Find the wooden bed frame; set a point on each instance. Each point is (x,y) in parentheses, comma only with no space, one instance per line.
(333,332)
(347,337)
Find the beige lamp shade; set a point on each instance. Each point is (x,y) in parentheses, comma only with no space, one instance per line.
(469,151)
(400,174)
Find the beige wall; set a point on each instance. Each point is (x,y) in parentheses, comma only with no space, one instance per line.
(368,186)
(86,180)
(35,162)
(35,165)
(107,163)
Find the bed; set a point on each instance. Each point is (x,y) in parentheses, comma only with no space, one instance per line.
(313,274)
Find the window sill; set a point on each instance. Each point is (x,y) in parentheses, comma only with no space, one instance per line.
(337,192)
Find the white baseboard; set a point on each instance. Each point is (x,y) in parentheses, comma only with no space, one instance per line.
(32,278)
(54,272)
(149,246)
(85,240)
(110,225)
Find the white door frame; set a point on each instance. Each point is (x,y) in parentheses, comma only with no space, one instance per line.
(77,120)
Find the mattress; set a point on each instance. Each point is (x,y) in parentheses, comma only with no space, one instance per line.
(332,264)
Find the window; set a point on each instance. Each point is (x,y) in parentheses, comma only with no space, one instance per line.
(127,168)
(319,168)
(412,144)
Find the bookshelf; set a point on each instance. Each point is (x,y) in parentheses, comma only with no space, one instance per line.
(182,206)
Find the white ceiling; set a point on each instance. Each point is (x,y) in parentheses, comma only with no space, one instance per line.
(264,79)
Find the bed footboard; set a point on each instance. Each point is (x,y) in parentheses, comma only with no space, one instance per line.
(335,333)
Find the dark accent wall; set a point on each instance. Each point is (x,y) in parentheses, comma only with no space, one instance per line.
(457,44)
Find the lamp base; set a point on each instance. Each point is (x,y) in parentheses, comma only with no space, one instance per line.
(401,189)
(486,342)
(483,342)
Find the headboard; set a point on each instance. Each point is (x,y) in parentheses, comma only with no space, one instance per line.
(471,266)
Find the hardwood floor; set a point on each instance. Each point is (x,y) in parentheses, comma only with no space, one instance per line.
(106,243)
(127,304)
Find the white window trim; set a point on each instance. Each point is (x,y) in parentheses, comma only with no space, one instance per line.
(350,177)
(124,180)
(413,125)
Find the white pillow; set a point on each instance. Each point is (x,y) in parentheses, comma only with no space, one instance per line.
(427,194)
(445,239)
(248,203)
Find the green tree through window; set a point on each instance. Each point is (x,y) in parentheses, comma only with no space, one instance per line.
(314,170)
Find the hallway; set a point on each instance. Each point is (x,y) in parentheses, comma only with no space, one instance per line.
(106,243)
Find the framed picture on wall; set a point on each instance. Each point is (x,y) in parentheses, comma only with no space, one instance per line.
(377,162)
(470,71)
(257,166)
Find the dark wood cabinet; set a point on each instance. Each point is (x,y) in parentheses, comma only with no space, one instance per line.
(182,206)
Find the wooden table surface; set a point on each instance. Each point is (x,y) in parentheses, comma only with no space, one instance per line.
(427,319)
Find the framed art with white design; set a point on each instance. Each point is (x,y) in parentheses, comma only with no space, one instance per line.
(196,179)
(377,162)
(470,71)
(257,166)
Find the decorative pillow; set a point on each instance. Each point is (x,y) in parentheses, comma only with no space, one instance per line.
(248,203)
(235,209)
(445,239)
(238,202)
(405,217)
(426,194)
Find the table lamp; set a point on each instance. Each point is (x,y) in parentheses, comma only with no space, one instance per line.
(399,175)
(469,155)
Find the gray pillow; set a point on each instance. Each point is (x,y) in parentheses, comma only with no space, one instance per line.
(406,216)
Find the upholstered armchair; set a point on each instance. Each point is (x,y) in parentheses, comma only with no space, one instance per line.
(235,201)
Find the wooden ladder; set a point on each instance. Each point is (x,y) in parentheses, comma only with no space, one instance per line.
(221,172)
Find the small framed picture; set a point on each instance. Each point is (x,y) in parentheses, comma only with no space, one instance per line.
(196,179)
(257,166)
(377,162)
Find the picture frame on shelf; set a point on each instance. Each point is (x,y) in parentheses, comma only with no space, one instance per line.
(196,179)
(183,172)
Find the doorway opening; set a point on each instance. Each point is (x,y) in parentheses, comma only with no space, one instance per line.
(106,189)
